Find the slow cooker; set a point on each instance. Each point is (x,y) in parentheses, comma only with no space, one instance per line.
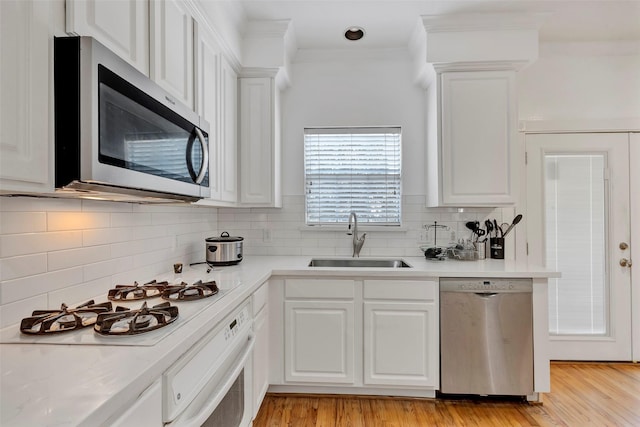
(224,250)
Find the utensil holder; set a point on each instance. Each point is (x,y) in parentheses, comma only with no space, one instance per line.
(481,249)
(496,247)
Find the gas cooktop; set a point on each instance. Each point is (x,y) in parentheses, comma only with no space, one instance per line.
(184,295)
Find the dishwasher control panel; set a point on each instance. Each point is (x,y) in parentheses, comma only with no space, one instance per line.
(486,284)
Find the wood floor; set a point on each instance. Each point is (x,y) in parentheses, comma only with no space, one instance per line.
(583,394)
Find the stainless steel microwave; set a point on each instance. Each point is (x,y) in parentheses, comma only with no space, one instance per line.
(120,136)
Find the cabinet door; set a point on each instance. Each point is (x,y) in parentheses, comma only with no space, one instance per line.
(207,97)
(400,344)
(319,341)
(26,48)
(172,48)
(229,142)
(478,118)
(260,358)
(120,25)
(257,141)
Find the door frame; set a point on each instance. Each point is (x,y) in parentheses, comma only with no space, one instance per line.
(634,203)
(535,227)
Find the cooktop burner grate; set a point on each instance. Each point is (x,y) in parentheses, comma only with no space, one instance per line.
(131,322)
(66,319)
(136,291)
(185,292)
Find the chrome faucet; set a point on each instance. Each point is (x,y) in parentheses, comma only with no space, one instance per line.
(357,242)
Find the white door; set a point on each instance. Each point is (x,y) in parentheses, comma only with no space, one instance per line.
(578,212)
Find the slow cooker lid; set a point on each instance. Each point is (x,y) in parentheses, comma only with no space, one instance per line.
(224,237)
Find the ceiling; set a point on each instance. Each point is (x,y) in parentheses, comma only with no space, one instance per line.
(320,24)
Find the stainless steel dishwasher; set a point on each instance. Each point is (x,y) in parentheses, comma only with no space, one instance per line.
(486,336)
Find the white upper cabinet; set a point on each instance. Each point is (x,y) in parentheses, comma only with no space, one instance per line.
(216,100)
(26,85)
(172,48)
(207,97)
(259,143)
(228,164)
(471,153)
(120,25)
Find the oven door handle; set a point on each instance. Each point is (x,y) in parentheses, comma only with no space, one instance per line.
(210,405)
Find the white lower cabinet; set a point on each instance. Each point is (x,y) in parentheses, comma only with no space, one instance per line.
(371,333)
(319,319)
(397,343)
(401,333)
(319,341)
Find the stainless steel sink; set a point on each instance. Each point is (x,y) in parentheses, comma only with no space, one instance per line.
(359,262)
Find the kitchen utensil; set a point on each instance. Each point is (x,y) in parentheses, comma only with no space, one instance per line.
(224,250)
(474,226)
(515,222)
(497,228)
(489,226)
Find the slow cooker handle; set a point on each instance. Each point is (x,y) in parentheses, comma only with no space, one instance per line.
(212,248)
(224,234)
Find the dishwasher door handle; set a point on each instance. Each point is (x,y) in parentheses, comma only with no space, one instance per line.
(486,294)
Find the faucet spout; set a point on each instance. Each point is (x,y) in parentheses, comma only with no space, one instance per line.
(358,242)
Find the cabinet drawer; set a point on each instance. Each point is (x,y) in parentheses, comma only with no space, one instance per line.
(400,289)
(319,288)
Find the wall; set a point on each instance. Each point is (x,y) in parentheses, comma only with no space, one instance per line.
(582,81)
(58,250)
(350,88)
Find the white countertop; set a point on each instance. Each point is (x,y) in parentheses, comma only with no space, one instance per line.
(68,385)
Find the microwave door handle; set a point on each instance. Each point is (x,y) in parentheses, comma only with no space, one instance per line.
(205,156)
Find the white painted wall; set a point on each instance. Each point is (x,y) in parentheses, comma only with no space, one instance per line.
(582,81)
(338,89)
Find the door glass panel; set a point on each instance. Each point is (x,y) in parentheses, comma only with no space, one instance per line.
(576,224)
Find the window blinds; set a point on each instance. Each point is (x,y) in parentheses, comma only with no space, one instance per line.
(353,169)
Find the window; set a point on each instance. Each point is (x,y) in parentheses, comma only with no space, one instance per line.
(353,169)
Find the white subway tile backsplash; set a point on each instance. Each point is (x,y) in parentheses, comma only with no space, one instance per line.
(73,296)
(26,287)
(23,222)
(130,219)
(69,250)
(103,236)
(22,266)
(135,247)
(61,221)
(102,206)
(22,244)
(149,232)
(12,313)
(107,268)
(37,204)
(59,260)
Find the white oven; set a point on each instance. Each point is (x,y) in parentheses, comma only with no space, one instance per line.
(211,384)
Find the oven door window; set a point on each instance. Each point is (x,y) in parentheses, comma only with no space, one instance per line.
(231,409)
(138,133)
